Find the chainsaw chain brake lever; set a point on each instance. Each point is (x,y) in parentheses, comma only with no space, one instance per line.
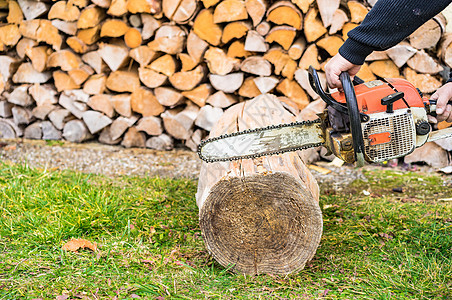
(314,81)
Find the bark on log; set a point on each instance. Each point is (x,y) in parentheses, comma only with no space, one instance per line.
(252,211)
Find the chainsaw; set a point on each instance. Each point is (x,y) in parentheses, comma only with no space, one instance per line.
(371,121)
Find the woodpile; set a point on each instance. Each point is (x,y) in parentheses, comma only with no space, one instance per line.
(152,73)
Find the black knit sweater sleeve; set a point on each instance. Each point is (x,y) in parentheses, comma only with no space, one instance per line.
(386,24)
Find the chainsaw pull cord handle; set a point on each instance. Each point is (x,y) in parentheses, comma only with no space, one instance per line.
(355,117)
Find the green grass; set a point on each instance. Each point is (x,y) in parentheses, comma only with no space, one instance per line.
(377,243)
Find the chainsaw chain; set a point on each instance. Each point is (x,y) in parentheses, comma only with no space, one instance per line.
(247,131)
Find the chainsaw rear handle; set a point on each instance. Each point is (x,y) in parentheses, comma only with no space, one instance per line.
(355,118)
(433,103)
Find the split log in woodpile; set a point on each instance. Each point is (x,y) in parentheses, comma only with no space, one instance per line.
(107,68)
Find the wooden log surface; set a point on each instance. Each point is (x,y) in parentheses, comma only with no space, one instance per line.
(252,211)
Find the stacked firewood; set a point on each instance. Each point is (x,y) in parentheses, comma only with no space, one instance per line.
(147,73)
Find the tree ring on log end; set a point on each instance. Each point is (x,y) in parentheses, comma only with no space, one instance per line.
(7,131)
(261,224)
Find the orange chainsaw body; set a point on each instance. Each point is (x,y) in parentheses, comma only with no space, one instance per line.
(369,95)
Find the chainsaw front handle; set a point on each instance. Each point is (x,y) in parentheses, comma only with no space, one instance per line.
(355,118)
(432,107)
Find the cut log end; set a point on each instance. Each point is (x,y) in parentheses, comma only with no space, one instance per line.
(274,227)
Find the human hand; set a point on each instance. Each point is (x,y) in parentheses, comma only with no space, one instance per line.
(335,67)
(443,110)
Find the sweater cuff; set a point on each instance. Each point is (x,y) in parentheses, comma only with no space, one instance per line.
(355,52)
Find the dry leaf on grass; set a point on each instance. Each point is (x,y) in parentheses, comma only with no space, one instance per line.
(75,244)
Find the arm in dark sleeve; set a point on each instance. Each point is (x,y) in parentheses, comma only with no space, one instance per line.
(386,24)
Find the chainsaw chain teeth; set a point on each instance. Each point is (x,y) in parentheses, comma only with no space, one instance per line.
(248,131)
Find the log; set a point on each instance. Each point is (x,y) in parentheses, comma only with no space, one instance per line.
(20,96)
(302,77)
(66,60)
(249,88)
(22,116)
(220,100)
(219,63)
(165,64)
(330,44)
(9,130)
(313,27)
(254,42)
(365,73)
(66,27)
(169,39)
(282,62)
(150,25)
(167,96)
(338,20)
(292,90)
(151,78)
(59,117)
(427,36)
(133,38)
(76,131)
(297,48)
(234,30)
(431,154)
(193,142)
(95,121)
(33,131)
(15,15)
(346,28)
(78,46)
(90,17)
(33,9)
(80,75)
(229,11)
(102,103)
(121,104)
(303,4)
(115,56)
(89,36)
(64,11)
(123,81)
(357,11)
(401,53)
(227,83)
(8,66)
(113,28)
(39,56)
(237,49)
(179,123)
(144,6)
(385,69)
(143,101)
(186,81)
(23,45)
(9,35)
(187,62)
(251,211)
(50,132)
(119,126)
(256,10)
(196,46)
(135,21)
(95,84)
(27,74)
(208,116)
(263,28)
(105,137)
(161,142)
(117,8)
(102,3)
(143,55)
(199,95)
(256,65)
(5,109)
(41,112)
(151,125)
(445,49)
(179,11)
(424,63)
(94,60)
(283,35)
(426,83)
(377,55)
(327,8)
(266,84)
(43,94)
(209,3)
(205,28)
(285,13)
(71,104)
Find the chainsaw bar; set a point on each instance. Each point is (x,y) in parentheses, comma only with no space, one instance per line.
(270,140)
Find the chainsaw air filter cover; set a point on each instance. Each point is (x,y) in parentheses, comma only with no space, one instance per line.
(389,135)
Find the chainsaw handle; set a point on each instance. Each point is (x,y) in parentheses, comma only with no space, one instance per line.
(355,117)
(432,104)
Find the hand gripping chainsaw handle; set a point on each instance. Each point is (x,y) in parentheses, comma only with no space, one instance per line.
(351,109)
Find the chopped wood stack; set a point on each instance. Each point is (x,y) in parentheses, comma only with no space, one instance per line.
(150,73)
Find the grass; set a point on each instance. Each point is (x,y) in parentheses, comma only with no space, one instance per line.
(389,237)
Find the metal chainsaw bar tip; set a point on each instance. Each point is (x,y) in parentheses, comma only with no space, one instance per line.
(253,143)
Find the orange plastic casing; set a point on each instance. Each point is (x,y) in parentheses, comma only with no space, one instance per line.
(369,95)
